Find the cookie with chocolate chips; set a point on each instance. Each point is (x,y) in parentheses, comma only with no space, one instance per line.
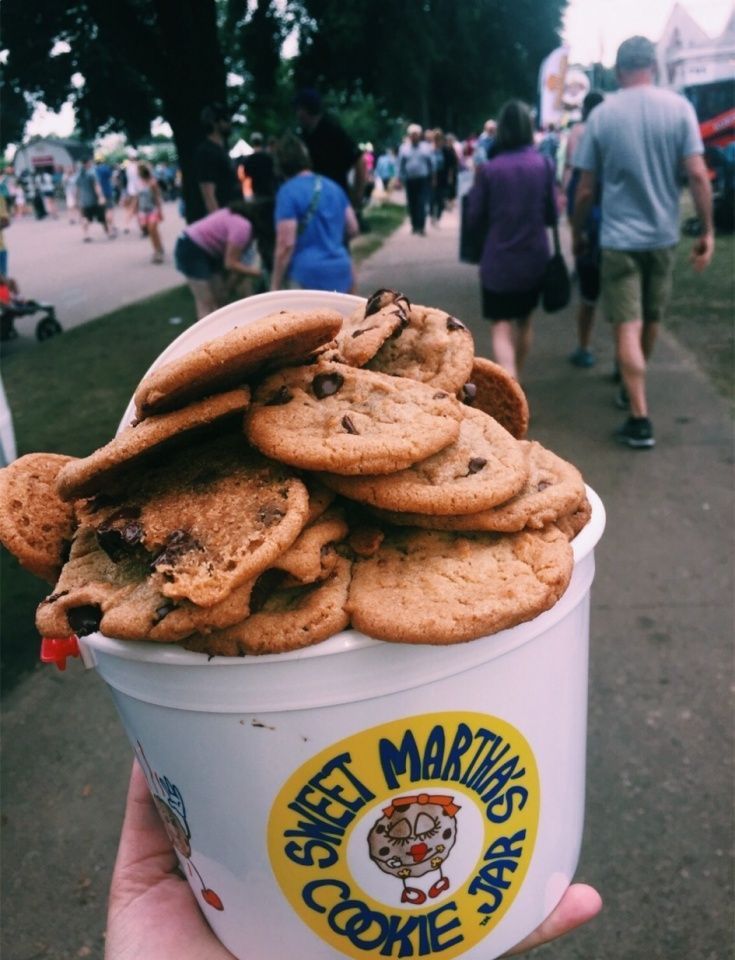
(483,467)
(36,526)
(154,436)
(312,556)
(434,348)
(235,358)
(289,618)
(428,586)
(574,522)
(554,488)
(492,389)
(383,315)
(208,519)
(330,416)
(123,598)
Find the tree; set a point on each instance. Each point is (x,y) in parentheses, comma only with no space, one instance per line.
(435,61)
(443,62)
(450,63)
(252,39)
(139,59)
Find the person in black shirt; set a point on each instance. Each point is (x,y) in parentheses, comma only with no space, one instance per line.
(333,152)
(213,169)
(259,167)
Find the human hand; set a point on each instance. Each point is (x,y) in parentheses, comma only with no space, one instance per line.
(702,251)
(152,912)
(579,904)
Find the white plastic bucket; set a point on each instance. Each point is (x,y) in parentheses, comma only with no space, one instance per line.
(276,775)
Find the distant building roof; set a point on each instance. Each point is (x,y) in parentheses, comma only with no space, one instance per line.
(50,151)
(687,55)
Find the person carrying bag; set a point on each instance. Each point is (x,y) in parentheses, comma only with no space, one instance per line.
(510,206)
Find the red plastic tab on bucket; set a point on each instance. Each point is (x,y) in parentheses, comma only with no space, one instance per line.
(57,649)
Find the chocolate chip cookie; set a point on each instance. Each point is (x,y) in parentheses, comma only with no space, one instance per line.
(154,436)
(554,488)
(330,416)
(312,556)
(434,348)
(384,314)
(483,467)
(234,358)
(572,523)
(493,390)
(36,526)
(289,619)
(427,586)
(124,600)
(208,519)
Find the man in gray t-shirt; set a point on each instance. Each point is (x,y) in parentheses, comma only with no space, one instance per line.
(638,144)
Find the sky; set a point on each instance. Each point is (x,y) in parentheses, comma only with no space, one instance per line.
(593,29)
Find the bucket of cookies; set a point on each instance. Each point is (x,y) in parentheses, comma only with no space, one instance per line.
(341,602)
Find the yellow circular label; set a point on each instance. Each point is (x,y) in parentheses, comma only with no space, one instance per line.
(411,838)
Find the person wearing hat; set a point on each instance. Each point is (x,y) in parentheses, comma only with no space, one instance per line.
(333,152)
(637,144)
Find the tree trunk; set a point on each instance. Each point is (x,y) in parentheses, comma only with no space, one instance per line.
(195,77)
(177,49)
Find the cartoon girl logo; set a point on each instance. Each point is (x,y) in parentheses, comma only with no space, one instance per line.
(170,806)
(413,838)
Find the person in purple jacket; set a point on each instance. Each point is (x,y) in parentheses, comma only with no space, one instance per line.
(514,199)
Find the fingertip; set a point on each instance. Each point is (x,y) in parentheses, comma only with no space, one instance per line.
(581,904)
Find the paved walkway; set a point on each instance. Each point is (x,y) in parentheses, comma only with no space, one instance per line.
(659,823)
(52,264)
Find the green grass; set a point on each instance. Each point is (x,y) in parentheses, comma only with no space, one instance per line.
(701,311)
(68,394)
(383,220)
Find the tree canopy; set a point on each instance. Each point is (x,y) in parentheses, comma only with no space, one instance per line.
(443,62)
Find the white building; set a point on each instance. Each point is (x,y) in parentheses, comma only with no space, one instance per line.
(49,153)
(687,55)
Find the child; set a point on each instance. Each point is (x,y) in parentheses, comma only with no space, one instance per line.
(150,210)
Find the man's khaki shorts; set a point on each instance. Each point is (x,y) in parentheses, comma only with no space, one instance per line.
(636,284)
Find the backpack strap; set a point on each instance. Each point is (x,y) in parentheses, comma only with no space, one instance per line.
(311,209)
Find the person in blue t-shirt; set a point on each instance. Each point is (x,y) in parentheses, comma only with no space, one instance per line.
(313,217)
(103,171)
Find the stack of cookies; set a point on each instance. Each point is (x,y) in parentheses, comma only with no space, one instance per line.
(300,474)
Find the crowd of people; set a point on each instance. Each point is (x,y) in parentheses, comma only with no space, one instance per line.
(284,215)
(622,169)
(94,191)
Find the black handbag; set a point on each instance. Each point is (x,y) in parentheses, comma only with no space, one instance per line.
(556,287)
(471,240)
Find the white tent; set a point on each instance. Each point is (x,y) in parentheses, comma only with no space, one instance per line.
(47,153)
(241,149)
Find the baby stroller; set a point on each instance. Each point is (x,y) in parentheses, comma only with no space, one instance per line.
(13,306)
